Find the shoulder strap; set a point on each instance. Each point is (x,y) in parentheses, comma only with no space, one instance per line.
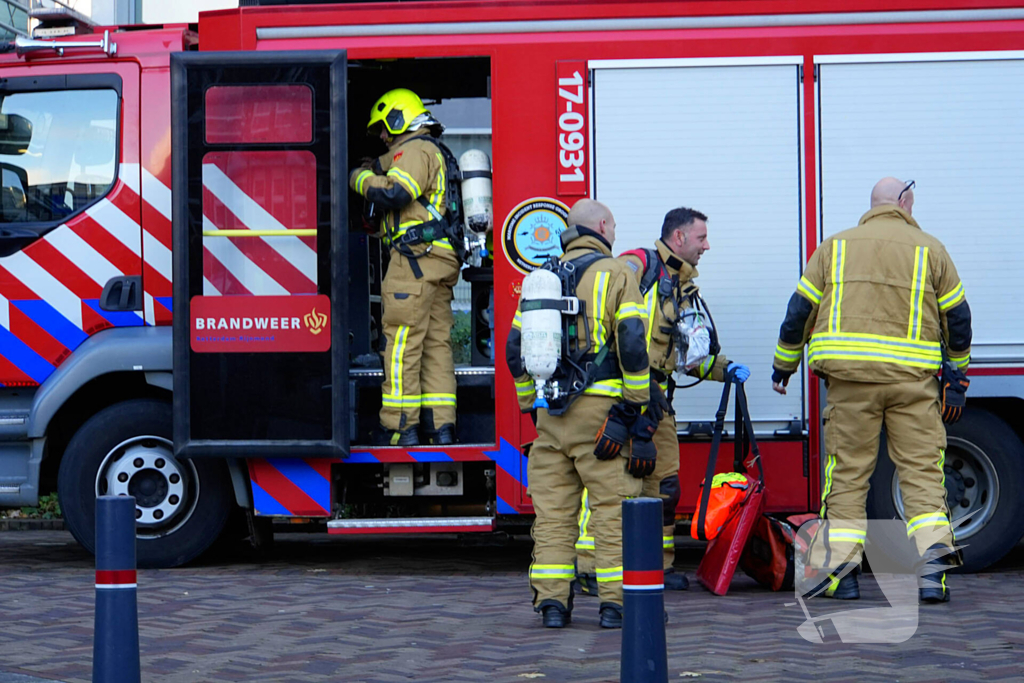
(652,268)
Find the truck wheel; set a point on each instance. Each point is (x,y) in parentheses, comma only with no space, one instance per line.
(181,506)
(984,475)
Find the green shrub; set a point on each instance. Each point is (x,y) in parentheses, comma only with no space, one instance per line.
(461,338)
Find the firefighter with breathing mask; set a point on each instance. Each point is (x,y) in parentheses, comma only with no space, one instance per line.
(677,326)
(591,423)
(410,184)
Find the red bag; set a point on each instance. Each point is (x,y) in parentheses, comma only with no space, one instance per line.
(728,491)
(723,552)
(769,557)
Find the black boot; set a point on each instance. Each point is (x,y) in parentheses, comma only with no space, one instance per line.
(845,588)
(611,615)
(554,614)
(674,581)
(586,584)
(394,437)
(444,436)
(931,577)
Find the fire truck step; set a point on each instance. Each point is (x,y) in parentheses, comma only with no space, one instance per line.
(412,525)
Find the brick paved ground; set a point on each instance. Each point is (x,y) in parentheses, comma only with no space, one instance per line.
(321,609)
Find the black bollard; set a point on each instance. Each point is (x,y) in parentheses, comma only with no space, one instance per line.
(115,654)
(644,653)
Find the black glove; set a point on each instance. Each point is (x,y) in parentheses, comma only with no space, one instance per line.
(954,392)
(643,455)
(615,431)
(780,377)
(375,167)
(659,405)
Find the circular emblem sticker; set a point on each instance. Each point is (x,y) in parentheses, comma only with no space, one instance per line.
(532,232)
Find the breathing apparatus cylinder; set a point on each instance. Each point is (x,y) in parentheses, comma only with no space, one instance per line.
(477,205)
(541,330)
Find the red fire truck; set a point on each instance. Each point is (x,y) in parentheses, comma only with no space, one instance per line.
(773,117)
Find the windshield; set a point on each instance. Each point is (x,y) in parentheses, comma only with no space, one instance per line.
(57,152)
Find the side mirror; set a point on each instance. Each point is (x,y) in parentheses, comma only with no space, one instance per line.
(15,134)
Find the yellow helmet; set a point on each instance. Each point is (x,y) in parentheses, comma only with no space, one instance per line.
(396,110)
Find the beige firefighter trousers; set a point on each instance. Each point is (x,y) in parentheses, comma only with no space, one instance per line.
(916,438)
(666,440)
(419,375)
(561,464)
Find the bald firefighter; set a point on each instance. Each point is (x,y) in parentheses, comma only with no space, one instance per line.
(665,276)
(881,305)
(410,184)
(596,436)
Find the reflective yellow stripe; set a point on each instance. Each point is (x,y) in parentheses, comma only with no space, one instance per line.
(847,535)
(395,398)
(942,463)
(838,265)
(917,292)
(830,465)
(629,310)
(787,355)
(524,388)
(401,401)
(608,387)
(407,181)
(438,399)
(552,571)
(926,520)
(517,321)
(668,542)
(361,180)
(807,288)
(609,574)
(437,196)
(707,366)
(874,348)
(636,381)
(953,298)
(649,299)
(600,293)
(585,539)
(961,361)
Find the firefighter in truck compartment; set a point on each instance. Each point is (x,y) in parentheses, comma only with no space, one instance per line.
(884,311)
(680,337)
(590,410)
(409,184)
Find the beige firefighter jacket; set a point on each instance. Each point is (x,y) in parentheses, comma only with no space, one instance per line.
(413,167)
(875,302)
(615,316)
(661,310)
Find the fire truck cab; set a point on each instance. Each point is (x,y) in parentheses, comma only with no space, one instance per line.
(190,305)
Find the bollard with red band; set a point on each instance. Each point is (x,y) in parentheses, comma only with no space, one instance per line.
(644,654)
(115,655)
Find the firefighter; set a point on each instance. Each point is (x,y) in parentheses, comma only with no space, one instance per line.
(597,439)
(878,302)
(408,184)
(665,275)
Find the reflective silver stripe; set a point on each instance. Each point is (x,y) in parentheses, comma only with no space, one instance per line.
(635,24)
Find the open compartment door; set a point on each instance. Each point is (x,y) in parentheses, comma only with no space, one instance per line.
(260,254)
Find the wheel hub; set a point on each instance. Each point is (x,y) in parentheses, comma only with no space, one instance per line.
(144,469)
(972,488)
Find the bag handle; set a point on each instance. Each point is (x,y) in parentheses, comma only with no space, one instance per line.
(716,442)
(745,429)
(745,444)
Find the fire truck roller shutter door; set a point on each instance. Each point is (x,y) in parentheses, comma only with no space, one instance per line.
(740,142)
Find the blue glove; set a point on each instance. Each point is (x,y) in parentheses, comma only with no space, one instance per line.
(740,373)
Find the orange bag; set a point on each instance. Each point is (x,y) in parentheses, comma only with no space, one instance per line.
(728,491)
